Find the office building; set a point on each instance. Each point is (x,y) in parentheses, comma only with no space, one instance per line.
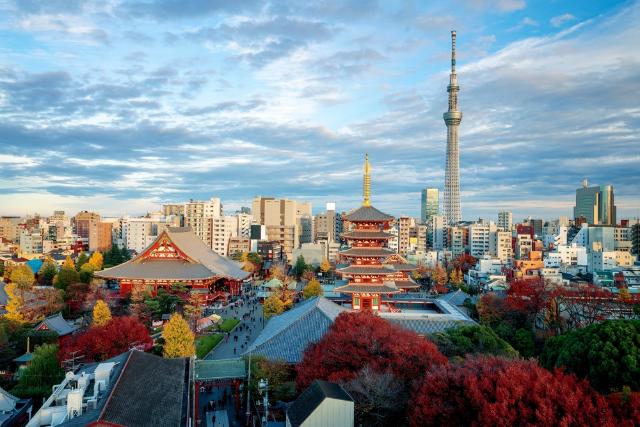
(595,204)
(429,204)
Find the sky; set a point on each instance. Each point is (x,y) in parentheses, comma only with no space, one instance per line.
(119,106)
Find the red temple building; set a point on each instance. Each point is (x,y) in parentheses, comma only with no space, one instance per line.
(374,270)
(179,256)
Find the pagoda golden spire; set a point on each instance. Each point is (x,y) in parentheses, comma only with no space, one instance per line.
(366,182)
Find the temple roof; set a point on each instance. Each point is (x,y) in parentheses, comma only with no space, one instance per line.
(56,323)
(286,336)
(359,288)
(363,269)
(365,234)
(305,405)
(367,213)
(406,284)
(203,263)
(367,252)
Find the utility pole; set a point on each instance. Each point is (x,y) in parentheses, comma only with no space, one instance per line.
(248,414)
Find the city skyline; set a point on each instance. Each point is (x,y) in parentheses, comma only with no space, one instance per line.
(96,116)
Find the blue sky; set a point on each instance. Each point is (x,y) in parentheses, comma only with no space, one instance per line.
(118,106)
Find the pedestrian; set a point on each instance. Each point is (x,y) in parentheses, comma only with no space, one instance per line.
(234,350)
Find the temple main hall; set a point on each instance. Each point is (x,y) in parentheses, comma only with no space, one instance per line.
(179,256)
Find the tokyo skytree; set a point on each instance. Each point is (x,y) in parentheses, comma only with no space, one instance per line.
(452,119)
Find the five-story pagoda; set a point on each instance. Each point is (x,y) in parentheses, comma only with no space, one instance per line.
(368,278)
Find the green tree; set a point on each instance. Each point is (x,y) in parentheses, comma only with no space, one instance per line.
(457,342)
(48,272)
(179,340)
(42,373)
(523,341)
(86,272)
(272,306)
(82,260)
(125,254)
(313,289)
(236,256)
(300,267)
(607,354)
(65,277)
(254,258)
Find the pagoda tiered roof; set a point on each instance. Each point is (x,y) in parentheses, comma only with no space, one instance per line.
(366,234)
(366,214)
(176,254)
(367,252)
(365,269)
(371,288)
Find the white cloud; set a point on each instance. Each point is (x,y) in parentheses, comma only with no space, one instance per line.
(557,21)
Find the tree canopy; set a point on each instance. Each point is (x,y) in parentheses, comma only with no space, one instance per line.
(43,372)
(313,289)
(493,391)
(457,342)
(607,354)
(96,261)
(272,306)
(116,336)
(101,313)
(179,340)
(22,277)
(65,277)
(47,272)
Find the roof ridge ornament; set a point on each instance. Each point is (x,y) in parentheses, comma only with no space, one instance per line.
(366,183)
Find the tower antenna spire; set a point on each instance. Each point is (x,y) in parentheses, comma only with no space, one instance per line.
(366,182)
(453,51)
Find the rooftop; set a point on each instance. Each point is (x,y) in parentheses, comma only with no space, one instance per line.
(367,213)
(312,397)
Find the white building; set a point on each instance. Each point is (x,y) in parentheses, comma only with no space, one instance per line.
(505,220)
(437,232)
(480,238)
(566,255)
(524,245)
(500,246)
(222,229)
(197,215)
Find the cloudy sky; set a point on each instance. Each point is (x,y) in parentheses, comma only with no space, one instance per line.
(118,106)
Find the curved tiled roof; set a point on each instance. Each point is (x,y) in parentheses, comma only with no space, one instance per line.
(386,288)
(367,213)
(367,252)
(286,336)
(361,269)
(362,235)
(205,263)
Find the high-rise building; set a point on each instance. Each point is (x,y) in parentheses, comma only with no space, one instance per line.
(480,238)
(452,119)
(437,233)
(197,215)
(325,225)
(500,246)
(404,226)
(429,204)
(595,204)
(505,220)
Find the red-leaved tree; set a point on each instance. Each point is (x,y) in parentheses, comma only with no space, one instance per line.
(363,339)
(120,334)
(374,360)
(626,408)
(491,391)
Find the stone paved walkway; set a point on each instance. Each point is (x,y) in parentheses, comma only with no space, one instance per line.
(250,315)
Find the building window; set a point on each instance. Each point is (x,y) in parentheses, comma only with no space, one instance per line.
(356,301)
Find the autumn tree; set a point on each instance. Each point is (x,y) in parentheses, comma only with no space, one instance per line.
(325,266)
(96,261)
(464,263)
(47,272)
(380,397)
(625,406)
(313,289)
(439,278)
(23,278)
(364,340)
(68,263)
(86,273)
(15,304)
(193,310)
(118,335)
(81,260)
(101,313)
(607,354)
(494,391)
(178,338)
(272,306)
